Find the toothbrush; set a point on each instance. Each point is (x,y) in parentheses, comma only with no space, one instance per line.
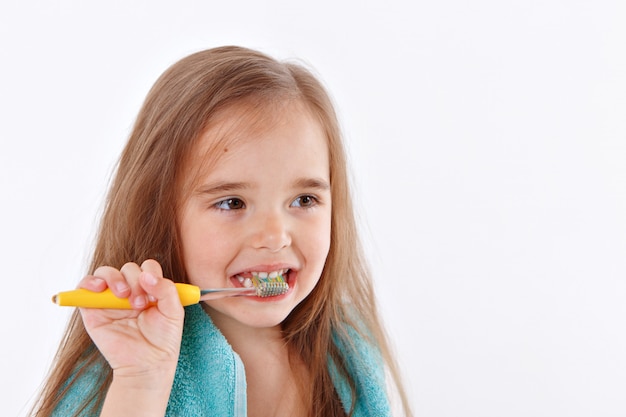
(188,294)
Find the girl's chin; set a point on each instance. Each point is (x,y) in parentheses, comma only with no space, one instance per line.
(236,316)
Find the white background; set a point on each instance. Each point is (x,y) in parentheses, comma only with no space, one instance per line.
(488,143)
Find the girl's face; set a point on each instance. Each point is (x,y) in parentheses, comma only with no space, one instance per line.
(265,206)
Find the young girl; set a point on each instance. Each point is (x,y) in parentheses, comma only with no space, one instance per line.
(234,168)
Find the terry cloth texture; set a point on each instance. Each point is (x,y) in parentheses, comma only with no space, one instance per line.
(210,378)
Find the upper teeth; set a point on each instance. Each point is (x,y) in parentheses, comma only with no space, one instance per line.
(247,282)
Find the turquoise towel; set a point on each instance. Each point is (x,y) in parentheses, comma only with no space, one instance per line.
(210,378)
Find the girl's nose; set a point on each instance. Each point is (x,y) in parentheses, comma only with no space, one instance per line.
(271,232)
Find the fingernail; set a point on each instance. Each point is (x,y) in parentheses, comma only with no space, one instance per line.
(140,301)
(150,279)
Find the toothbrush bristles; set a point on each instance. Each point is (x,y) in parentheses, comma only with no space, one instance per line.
(270,287)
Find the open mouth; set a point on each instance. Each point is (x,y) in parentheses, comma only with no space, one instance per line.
(269,284)
(248,279)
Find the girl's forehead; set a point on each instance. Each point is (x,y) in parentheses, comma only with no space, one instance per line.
(238,128)
(241,124)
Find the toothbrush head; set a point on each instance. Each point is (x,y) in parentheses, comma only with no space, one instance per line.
(270,286)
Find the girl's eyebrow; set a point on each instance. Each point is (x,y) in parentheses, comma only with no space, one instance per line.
(221,187)
(315,183)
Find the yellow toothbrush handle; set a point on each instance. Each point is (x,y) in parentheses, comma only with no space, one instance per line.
(188,294)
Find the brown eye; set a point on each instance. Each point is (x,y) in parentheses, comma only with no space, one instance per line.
(230,204)
(304,201)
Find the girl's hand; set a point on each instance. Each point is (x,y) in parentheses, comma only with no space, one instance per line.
(142,344)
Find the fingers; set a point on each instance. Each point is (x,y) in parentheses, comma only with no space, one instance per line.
(138,297)
(163,292)
(106,276)
(159,290)
(142,285)
(153,267)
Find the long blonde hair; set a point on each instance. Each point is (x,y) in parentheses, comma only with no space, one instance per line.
(145,196)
